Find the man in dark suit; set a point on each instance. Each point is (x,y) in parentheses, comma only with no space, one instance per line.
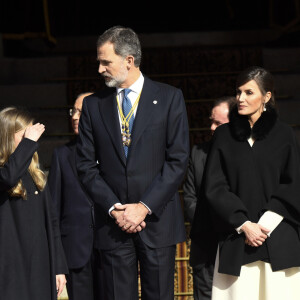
(75,212)
(202,261)
(138,132)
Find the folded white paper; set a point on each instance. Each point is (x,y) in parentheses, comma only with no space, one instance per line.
(270,220)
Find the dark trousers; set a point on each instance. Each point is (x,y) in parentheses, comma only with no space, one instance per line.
(202,263)
(202,281)
(120,271)
(86,283)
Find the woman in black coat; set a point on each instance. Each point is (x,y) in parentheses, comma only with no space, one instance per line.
(32,261)
(252,187)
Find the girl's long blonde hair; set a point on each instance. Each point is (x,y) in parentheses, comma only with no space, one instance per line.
(13,120)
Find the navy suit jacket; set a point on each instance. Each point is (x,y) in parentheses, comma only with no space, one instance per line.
(154,168)
(75,209)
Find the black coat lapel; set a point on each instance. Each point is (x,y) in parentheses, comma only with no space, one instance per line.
(144,111)
(109,113)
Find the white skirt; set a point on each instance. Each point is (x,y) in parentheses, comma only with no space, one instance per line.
(257,281)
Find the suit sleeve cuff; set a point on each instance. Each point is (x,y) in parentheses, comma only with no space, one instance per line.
(112,208)
(149,210)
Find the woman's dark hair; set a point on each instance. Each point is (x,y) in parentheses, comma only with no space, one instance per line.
(263,79)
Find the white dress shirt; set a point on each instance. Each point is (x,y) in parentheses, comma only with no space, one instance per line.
(136,89)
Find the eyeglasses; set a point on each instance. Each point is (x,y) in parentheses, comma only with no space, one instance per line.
(74,111)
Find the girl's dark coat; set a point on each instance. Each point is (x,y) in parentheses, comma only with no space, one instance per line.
(14,276)
(242,182)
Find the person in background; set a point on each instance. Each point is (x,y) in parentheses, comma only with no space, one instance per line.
(137,131)
(252,188)
(75,211)
(202,262)
(32,259)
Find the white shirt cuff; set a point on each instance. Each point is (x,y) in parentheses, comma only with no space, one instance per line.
(239,229)
(112,208)
(150,211)
(270,220)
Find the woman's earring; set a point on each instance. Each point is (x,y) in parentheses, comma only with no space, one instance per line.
(265,106)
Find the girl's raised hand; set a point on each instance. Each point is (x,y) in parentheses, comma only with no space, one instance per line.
(34,132)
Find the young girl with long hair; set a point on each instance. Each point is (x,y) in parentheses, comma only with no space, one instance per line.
(32,261)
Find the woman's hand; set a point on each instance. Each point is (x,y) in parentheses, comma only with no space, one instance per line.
(255,234)
(60,283)
(34,132)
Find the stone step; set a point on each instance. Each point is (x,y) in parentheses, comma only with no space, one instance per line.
(67,45)
(57,121)
(32,70)
(289,110)
(287,83)
(39,95)
(281,58)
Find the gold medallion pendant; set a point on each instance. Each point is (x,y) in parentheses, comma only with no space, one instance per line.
(126,135)
(128,141)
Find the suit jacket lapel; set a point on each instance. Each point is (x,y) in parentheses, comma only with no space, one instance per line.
(109,113)
(144,112)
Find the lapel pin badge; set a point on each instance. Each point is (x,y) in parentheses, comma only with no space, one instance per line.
(154,102)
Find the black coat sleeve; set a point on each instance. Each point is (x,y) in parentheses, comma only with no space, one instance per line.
(60,262)
(17,164)
(55,182)
(285,200)
(227,205)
